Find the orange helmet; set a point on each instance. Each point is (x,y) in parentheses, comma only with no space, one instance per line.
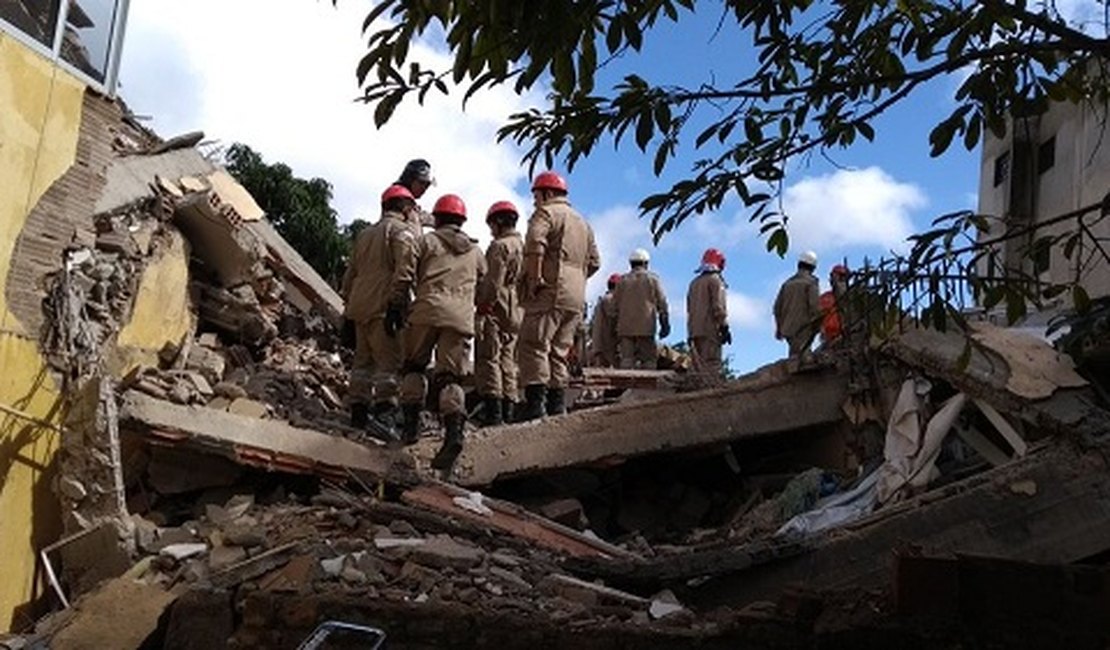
(549,181)
(501,206)
(450,204)
(839,271)
(397,192)
(613,279)
(714,257)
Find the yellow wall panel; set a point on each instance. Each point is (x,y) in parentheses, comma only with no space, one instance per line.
(161,313)
(40,116)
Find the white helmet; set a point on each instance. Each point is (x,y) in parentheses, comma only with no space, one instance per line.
(808,257)
(639,255)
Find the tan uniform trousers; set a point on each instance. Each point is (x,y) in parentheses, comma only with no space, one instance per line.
(800,343)
(376,365)
(638,352)
(545,341)
(495,371)
(451,352)
(707,354)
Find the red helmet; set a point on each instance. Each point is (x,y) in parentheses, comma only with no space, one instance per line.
(501,206)
(714,257)
(615,278)
(839,270)
(450,204)
(397,192)
(549,181)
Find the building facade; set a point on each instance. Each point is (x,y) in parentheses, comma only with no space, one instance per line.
(58,65)
(1047,166)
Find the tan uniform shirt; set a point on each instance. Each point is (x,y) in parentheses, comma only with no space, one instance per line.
(569,254)
(380,252)
(498,287)
(796,306)
(639,300)
(603,329)
(445,270)
(706,305)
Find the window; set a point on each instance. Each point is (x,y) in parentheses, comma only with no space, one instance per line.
(35,18)
(1001,168)
(1046,155)
(83,34)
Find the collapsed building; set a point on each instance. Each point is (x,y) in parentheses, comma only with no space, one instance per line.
(178,470)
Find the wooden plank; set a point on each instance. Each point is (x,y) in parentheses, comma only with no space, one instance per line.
(1012,436)
(515,521)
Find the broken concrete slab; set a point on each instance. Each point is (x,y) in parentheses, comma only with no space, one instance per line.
(99,621)
(765,403)
(129,179)
(986,376)
(271,444)
(293,268)
(1065,519)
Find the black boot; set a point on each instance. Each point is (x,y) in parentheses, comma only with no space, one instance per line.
(491,412)
(556,401)
(410,423)
(508,411)
(360,415)
(384,422)
(533,403)
(452,441)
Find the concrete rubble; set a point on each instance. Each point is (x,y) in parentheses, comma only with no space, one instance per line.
(224,502)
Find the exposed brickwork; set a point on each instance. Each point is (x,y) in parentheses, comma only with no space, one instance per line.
(63,214)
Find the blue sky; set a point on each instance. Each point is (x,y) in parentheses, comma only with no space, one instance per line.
(279,76)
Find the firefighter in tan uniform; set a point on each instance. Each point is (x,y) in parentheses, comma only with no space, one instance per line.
(559,255)
(368,289)
(499,317)
(417,177)
(797,308)
(603,328)
(707,313)
(639,302)
(443,272)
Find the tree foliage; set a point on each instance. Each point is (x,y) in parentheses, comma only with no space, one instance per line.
(819,76)
(300,209)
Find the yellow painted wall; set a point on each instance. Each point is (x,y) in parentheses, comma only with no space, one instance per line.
(161,313)
(40,115)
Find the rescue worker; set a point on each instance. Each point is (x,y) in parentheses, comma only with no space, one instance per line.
(369,287)
(796,307)
(707,313)
(417,177)
(830,305)
(559,255)
(603,328)
(499,316)
(638,302)
(443,272)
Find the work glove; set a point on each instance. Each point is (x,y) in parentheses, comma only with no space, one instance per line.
(347,336)
(394,319)
(725,334)
(664,327)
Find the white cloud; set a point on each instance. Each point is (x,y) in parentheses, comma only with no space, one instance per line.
(282,81)
(864,207)
(618,231)
(745,312)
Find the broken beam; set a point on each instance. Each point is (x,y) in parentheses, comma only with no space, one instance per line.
(765,403)
(271,444)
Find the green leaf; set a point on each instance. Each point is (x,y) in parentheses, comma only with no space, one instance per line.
(645,128)
(778,242)
(385,108)
(1080,299)
(866,131)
